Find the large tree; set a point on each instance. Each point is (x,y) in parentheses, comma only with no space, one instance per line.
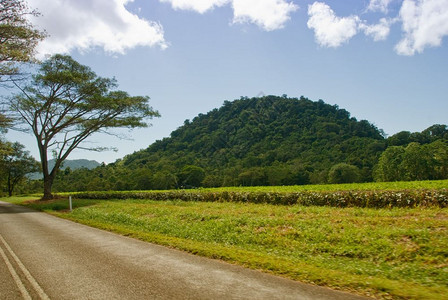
(18,37)
(66,102)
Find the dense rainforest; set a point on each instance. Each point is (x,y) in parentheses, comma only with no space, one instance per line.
(269,140)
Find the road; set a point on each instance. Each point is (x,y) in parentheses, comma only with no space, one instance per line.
(44,257)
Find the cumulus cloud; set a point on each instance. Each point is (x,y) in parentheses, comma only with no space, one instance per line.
(330,30)
(378,31)
(267,14)
(379,5)
(83,25)
(424,23)
(200,6)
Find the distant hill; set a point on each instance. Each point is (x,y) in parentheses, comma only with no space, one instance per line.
(267,140)
(76,164)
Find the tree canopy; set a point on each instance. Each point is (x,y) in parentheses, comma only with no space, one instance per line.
(414,162)
(18,38)
(267,140)
(66,102)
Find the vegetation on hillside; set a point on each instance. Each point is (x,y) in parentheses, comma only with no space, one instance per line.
(270,141)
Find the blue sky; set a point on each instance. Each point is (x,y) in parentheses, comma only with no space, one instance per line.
(385,61)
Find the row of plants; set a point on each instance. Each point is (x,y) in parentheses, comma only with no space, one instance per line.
(415,197)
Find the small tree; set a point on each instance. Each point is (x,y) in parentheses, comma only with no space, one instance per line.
(65,103)
(16,163)
(191,176)
(18,38)
(343,173)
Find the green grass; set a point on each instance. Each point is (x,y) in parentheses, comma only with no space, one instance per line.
(387,253)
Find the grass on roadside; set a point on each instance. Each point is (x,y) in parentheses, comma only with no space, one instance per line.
(19,199)
(398,253)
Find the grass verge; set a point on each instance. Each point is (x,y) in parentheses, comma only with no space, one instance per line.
(386,253)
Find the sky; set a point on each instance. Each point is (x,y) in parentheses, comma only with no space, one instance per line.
(385,61)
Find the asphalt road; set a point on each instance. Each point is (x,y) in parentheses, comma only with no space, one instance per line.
(44,257)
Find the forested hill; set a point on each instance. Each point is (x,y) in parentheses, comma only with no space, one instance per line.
(267,140)
(271,141)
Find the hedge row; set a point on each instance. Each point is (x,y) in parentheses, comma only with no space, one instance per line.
(374,199)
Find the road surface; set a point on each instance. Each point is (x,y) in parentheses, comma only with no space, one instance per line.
(44,257)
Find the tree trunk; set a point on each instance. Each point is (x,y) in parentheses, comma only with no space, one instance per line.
(48,183)
(10,187)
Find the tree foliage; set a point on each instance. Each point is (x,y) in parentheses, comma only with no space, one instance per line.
(66,102)
(15,164)
(5,122)
(431,134)
(18,38)
(414,162)
(267,140)
(343,173)
(191,176)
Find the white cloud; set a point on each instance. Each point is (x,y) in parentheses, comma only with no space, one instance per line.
(378,32)
(379,5)
(425,23)
(267,14)
(330,30)
(200,6)
(83,25)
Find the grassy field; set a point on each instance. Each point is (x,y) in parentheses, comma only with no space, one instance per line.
(385,253)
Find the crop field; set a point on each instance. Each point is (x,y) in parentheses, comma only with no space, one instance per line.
(374,195)
(394,252)
(398,185)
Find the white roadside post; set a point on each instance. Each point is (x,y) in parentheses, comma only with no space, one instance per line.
(70,202)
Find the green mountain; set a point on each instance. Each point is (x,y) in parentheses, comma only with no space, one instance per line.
(265,141)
